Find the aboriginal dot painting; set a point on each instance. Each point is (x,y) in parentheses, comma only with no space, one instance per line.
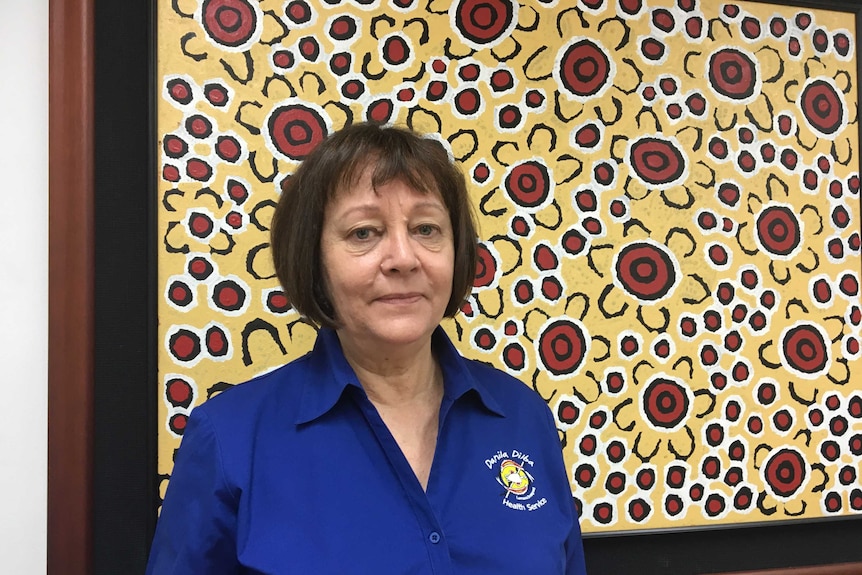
(668,194)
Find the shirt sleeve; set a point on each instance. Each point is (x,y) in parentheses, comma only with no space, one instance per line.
(196,531)
(575,563)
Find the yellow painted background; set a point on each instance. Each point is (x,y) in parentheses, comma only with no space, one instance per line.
(256,82)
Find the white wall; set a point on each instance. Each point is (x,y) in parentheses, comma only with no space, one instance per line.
(23,285)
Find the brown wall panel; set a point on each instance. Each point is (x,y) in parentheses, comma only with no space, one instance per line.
(70,292)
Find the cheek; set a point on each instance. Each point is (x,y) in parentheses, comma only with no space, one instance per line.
(347,279)
(444,270)
(332,280)
(333,284)
(324,266)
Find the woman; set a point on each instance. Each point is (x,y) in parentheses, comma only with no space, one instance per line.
(382,450)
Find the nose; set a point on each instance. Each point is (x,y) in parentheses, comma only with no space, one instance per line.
(400,253)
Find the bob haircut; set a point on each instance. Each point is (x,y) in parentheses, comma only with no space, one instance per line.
(335,165)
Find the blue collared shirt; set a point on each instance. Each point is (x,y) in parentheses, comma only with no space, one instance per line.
(295,472)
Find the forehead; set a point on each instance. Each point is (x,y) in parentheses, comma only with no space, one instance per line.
(372,181)
(363,194)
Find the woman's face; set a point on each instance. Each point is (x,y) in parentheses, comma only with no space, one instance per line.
(388,260)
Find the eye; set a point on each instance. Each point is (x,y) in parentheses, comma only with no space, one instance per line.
(362,233)
(426,229)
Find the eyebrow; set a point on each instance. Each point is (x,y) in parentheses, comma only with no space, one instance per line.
(374,208)
(438,206)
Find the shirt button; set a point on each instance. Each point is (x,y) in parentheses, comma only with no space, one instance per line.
(434,537)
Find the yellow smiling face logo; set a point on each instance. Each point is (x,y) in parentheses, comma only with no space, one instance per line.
(514,478)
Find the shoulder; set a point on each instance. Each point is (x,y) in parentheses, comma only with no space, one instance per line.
(230,426)
(278,389)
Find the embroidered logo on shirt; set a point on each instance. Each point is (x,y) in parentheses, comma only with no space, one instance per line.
(514,476)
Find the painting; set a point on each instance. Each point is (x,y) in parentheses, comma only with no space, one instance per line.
(668,197)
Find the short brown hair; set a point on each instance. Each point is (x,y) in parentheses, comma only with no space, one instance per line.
(338,161)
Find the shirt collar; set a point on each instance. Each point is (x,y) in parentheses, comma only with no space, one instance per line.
(457,377)
(330,374)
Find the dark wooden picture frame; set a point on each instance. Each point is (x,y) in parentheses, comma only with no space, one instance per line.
(101,433)
(101,439)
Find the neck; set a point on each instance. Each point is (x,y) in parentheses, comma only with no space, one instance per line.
(396,377)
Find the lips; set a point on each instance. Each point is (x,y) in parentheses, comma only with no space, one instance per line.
(400,298)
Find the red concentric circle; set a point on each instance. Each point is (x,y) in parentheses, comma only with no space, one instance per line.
(486,267)
(295,130)
(804,349)
(822,106)
(785,472)
(645,271)
(584,69)
(665,403)
(484,22)
(563,347)
(732,74)
(229,22)
(656,160)
(778,230)
(528,184)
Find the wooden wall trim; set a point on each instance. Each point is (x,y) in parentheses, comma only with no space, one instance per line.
(836,569)
(70,287)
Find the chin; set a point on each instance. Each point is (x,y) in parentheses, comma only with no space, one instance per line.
(405,331)
(406,336)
